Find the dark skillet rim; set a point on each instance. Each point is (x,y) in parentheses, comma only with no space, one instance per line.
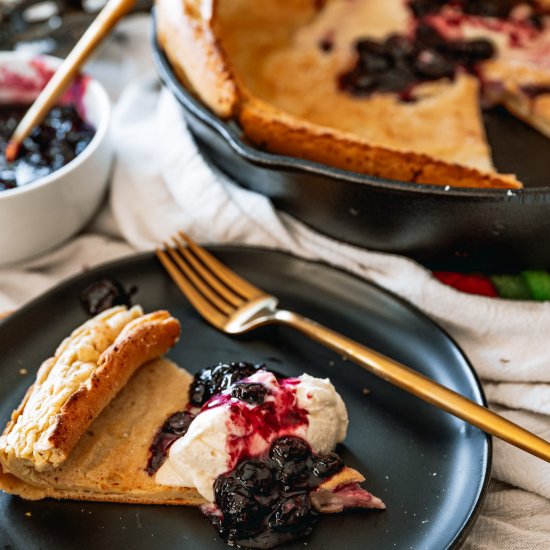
(230,132)
(486,457)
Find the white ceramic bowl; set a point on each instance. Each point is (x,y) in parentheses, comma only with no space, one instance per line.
(40,215)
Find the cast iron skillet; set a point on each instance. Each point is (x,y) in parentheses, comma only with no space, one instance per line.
(444,228)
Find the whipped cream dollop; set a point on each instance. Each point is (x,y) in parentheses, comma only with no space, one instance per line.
(229,429)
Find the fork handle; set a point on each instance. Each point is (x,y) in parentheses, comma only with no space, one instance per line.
(419,385)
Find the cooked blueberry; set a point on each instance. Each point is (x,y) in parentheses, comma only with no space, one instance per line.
(325,465)
(224,484)
(430,63)
(366,47)
(427,35)
(178,423)
(293,475)
(240,510)
(291,514)
(265,501)
(212,380)
(175,427)
(356,83)
(103,294)
(421,8)
(289,448)
(489,8)
(395,81)
(200,392)
(399,46)
(250,392)
(242,513)
(47,148)
(376,63)
(537,20)
(401,62)
(255,476)
(474,50)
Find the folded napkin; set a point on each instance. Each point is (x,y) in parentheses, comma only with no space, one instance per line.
(161,184)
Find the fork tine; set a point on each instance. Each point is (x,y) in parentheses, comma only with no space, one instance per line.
(208,276)
(230,278)
(197,282)
(205,308)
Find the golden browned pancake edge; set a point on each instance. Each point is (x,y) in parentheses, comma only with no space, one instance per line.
(108,464)
(59,415)
(194,52)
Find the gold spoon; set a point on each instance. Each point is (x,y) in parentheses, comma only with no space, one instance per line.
(65,74)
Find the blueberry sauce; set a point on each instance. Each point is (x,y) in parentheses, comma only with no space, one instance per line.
(104,294)
(264,501)
(55,142)
(254,420)
(436,48)
(213,380)
(250,392)
(270,496)
(175,427)
(399,63)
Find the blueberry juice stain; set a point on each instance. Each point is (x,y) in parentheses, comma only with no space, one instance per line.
(61,136)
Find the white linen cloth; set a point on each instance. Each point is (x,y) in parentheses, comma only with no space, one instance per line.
(161,184)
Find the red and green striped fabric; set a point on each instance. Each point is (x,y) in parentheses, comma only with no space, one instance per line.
(527,285)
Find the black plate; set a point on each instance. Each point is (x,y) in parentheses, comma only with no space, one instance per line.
(463,229)
(431,469)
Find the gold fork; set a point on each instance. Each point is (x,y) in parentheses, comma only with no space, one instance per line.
(235,306)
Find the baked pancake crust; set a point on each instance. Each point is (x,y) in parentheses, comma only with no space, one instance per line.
(287,101)
(108,463)
(300,79)
(186,36)
(282,133)
(73,387)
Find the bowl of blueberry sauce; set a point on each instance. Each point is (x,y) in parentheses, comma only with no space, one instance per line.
(61,174)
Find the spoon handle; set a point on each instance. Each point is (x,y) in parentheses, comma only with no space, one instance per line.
(69,68)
